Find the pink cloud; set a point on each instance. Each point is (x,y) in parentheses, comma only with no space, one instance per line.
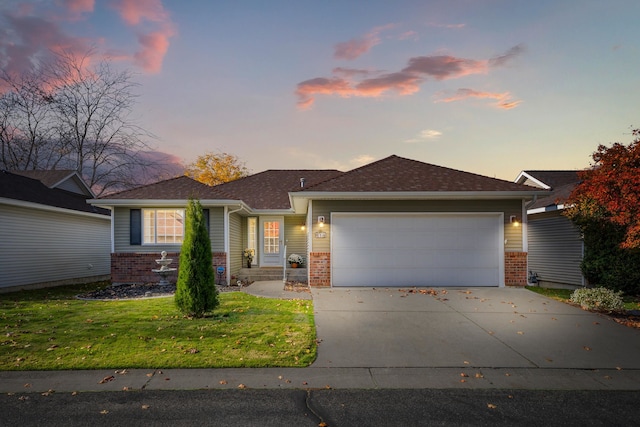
(307,90)
(354,48)
(133,12)
(154,46)
(76,8)
(503,99)
(443,67)
(451,26)
(30,39)
(406,81)
(402,82)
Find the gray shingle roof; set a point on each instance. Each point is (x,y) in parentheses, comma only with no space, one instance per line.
(179,188)
(397,174)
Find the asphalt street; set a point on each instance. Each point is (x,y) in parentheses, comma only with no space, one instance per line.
(421,407)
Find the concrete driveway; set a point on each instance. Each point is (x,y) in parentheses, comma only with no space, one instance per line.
(482,327)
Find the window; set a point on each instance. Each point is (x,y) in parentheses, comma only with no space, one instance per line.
(163,226)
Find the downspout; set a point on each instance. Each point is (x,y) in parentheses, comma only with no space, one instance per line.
(227,245)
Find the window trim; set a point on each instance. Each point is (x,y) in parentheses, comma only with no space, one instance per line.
(143,227)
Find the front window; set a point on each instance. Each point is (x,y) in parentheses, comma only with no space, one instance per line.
(163,226)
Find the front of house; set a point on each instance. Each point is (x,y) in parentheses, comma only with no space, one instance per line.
(394,222)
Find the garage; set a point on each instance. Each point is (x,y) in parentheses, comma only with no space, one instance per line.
(417,249)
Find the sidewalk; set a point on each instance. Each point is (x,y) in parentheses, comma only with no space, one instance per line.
(438,372)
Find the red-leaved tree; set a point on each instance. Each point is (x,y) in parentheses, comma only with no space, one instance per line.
(610,190)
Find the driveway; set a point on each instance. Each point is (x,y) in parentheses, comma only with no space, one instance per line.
(481,327)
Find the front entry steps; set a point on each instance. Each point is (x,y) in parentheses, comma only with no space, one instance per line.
(260,274)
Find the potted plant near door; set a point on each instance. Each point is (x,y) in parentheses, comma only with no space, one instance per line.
(249,254)
(295,260)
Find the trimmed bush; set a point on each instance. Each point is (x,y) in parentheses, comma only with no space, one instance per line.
(196,292)
(598,299)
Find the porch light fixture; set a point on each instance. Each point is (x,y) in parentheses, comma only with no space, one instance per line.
(321,221)
(514,220)
(303,226)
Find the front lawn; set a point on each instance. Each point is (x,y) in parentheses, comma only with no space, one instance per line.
(51,330)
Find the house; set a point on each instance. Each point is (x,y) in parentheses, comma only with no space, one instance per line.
(394,222)
(50,235)
(556,247)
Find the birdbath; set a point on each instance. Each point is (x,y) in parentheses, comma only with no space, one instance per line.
(164,269)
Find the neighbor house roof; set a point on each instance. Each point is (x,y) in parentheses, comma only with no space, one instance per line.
(15,187)
(560,184)
(58,179)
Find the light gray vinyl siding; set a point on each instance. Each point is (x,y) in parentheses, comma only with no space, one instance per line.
(236,247)
(295,237)
(512,235)
(72,186)
(122,228)
(555,249)
(45,246)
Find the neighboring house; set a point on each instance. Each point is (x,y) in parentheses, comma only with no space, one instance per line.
(394,222)
(556,247)
(49,234)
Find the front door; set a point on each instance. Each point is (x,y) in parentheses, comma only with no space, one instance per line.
(271,237)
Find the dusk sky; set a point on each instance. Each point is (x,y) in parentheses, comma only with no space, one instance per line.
(486,86)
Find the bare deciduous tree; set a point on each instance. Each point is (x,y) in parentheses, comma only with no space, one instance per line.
(68,114)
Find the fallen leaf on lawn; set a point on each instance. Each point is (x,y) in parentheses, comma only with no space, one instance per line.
(478,375)
(194,350)
(107,379)
(491,406)
(322,424)
(618,368)
(223,382)
(89,321)
(587,348)
(553,318)
(305,383)
(125,388)
(23,398)
(27,385)
(510,397)
(507,374)
(548,360)
(463,381)
(75,393)
(242,386)
(53,347)
(150,375)
(462,374)
(465,362)
(328,387)
(520,333)
(47,393)
(121,371)
(104,412)
(146,406)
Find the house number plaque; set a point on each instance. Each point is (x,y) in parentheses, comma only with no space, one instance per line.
(321,235)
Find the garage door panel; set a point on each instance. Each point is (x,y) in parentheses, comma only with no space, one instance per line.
(416,250)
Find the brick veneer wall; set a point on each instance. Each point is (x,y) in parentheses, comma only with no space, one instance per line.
(136,267)
(320,269)
(515,268)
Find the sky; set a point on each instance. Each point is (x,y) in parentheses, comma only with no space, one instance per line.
(491,87)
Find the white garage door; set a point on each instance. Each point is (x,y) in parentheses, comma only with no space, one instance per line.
(417,249)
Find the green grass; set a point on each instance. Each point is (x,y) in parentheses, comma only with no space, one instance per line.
(51,330)
(630,303)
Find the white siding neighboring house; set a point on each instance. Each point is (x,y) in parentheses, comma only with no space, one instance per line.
(556,247)
(49,234)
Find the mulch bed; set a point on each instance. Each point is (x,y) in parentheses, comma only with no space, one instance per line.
(135,291)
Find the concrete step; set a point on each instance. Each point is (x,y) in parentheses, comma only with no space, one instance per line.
(269,274)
